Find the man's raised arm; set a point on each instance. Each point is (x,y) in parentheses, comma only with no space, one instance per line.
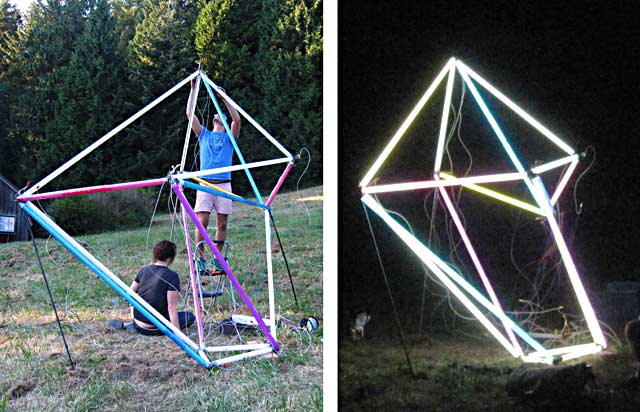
(195,124)
(235,118)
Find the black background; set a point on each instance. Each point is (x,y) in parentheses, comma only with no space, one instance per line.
(576,69)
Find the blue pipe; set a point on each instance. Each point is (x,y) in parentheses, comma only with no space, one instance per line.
(213,191)
(233,141)
(56,232)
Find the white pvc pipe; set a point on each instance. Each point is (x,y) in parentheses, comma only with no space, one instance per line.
(192,110)
(249,118)
(189,175)
(235,348)
(235,358)
(272,307)
(107,136)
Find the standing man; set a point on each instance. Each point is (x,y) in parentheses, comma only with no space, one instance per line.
(216,150)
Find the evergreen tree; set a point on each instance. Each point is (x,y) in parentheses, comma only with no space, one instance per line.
(291,79)
(74,69)
(11,143)
(89,101)
(50,36)
(162,53)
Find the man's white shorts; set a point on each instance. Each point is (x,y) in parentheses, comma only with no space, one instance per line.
(206,202)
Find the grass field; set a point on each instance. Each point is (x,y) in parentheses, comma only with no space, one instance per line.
(116,370)
(456,373)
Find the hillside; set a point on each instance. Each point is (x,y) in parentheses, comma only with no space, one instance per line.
(116,370)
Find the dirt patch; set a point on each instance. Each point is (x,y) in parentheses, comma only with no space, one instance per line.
(20,389)
(12,259)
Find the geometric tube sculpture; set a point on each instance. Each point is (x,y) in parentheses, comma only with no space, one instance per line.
(541,204)
(179,180)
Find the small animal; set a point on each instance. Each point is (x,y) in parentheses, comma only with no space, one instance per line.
(357,328)
(632,333)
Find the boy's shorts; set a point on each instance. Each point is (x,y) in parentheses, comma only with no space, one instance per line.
(206,202)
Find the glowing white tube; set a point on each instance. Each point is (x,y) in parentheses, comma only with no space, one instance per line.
(533,122)
(578,288)
(569,349)
(494,125)
(563,182)
(430,184)
(478,265)
(445,116)
(432,263)
(552,165)
(405,125)
(582,352)
(565,353)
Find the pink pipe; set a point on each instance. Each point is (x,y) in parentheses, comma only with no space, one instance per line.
(476,262)
(430,184)
(272,196)
(194,282)
(92,189)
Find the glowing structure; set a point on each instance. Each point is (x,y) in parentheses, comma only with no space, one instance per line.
(544,206)
(178,181)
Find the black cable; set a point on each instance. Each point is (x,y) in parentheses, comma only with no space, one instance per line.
(53,303)
(286,263)
(393,303)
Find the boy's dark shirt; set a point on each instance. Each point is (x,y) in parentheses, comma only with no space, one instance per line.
(154,281)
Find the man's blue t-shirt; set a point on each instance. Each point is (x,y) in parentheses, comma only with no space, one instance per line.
(216,150)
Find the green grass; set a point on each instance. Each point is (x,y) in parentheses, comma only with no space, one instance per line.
(121,371)
(458,373)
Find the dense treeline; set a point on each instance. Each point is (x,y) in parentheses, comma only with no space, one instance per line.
(72,70)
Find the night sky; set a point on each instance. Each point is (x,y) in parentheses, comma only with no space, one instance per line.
(575,70)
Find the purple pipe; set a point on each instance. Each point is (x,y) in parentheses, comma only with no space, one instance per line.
(194,283)
(272,196)
(92,189)
(263,327)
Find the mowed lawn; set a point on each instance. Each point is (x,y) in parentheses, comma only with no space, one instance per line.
(120,371)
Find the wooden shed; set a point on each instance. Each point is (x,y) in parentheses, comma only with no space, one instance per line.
(14,223)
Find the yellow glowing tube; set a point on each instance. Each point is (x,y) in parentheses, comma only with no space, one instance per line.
(496,195)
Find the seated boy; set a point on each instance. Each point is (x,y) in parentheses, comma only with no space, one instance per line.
(160,287)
